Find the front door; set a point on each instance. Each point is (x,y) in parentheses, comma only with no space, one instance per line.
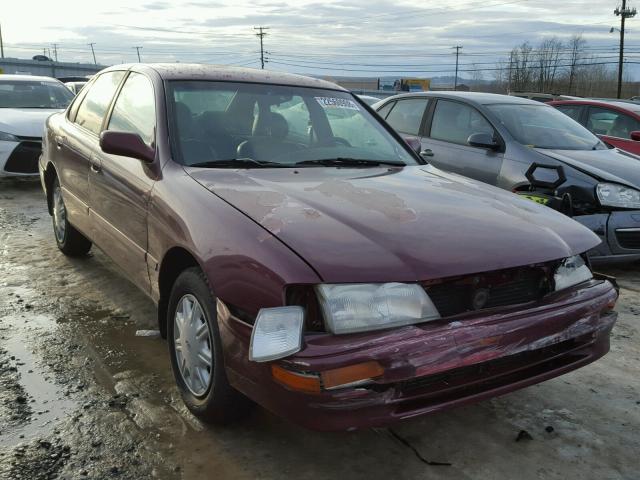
(451,125)
(121,186)
(614,127)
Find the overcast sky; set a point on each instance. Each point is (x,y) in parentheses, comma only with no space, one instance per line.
(339,37)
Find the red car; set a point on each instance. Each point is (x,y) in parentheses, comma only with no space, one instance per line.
(302,255)
(615,122)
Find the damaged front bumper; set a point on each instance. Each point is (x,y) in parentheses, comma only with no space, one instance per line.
(432,366)
(620,235)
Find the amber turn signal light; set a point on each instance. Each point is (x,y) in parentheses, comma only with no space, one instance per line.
(296,381)
(351,374)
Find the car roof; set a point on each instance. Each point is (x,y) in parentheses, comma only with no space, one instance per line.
(622,105)
(479,98)
(199,71)
(28,78)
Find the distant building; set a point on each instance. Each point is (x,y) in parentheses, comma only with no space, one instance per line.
(47,68)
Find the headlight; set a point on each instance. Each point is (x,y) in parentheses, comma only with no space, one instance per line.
(363,307)
(614,195)
(571,271)
(7,137)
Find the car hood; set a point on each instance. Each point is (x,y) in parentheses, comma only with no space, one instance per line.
(611,165)
(409,224)
(25,122)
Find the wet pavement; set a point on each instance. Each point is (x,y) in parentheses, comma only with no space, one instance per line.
(81,396)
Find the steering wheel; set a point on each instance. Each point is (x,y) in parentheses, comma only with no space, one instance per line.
(330,142)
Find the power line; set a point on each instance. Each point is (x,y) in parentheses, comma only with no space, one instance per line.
(261,34)
(498,68)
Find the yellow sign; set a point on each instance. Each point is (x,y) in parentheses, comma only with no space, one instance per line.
(417,84)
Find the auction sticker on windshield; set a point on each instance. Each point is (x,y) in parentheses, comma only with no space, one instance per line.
(329,102)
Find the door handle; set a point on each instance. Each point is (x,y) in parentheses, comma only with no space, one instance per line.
(59,141)
(96,168)
(427,152)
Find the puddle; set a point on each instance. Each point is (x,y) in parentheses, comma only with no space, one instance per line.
(47,400)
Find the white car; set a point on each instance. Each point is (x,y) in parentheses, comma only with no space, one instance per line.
(25,103)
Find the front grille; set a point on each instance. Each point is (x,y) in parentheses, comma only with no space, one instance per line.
(629,238)
(24,158)
(500,371)
(491,289)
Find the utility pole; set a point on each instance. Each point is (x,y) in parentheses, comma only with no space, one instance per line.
(261,33)
(623,13)
(93,53)
(138,51)
(1,44)
(55,51)
(455,79)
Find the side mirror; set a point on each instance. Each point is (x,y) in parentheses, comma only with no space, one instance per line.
(414,143)
(635,135)
(483,140)
(126,144)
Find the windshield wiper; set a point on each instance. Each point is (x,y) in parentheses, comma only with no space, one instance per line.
(237,163)
(346,161)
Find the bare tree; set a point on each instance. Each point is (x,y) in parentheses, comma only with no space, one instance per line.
(520,67)
(548,56)
(576,46)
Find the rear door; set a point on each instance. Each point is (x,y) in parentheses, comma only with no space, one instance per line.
(406,115)
(614,127)
(120,186)
(76,141)
(451,124)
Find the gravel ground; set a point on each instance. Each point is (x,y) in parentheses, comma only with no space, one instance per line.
(81,396)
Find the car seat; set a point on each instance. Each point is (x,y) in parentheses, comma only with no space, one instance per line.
(215,133)
(622,127)
(268,141)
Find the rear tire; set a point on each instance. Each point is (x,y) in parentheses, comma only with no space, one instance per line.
(196,354)
(70,241)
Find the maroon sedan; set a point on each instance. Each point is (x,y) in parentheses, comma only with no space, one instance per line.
(615,122)
(302,255)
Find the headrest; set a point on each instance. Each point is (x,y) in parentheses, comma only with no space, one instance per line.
(272,125)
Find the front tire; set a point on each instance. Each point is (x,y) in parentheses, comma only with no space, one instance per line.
(70,241)
(196,351)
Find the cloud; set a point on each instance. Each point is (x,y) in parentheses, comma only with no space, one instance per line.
(350,37)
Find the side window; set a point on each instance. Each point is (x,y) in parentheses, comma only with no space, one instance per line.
(455,122)
(406,116)
(384,111)
(573,111)
(603,121)
(135,109)
(96,101)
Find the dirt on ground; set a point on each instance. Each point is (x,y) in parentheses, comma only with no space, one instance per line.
(82,396)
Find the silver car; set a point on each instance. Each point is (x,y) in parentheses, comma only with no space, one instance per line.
(497,138)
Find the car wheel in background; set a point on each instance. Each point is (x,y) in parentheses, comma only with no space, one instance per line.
(70,241)
(196,351)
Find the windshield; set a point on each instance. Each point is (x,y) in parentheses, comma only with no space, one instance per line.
(33,94)
(275,125)
(542,126)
